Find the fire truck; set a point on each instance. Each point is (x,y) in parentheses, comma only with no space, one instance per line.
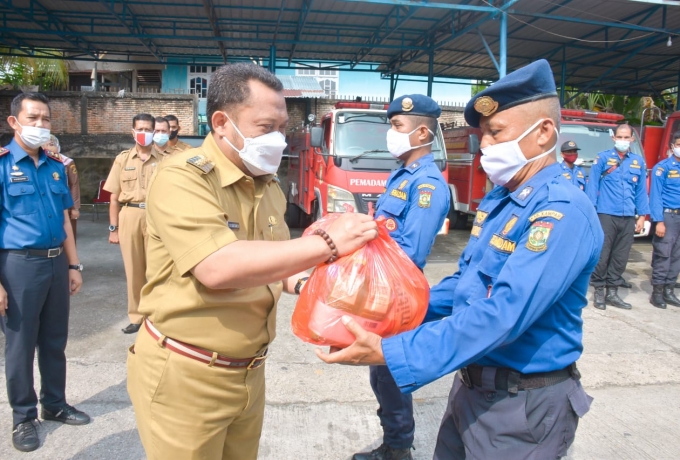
(342,164)
(469,184)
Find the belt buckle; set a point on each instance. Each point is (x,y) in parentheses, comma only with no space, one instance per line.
(257,361)
(465,377)
(142,205)
(54,252)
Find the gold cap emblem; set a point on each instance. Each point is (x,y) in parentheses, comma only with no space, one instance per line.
(486,106)
(571,144)
(407,104)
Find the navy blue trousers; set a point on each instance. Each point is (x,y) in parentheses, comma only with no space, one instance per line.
(37,317)
(395,411)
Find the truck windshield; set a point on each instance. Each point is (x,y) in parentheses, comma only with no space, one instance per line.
(364,133)
(591,139)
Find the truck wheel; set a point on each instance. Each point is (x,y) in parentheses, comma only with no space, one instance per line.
(293,215)
(457,220)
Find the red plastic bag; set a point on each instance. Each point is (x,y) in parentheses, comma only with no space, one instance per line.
(378,286)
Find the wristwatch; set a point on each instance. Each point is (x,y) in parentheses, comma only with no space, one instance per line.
(113,228)
(78,267)
(301,282)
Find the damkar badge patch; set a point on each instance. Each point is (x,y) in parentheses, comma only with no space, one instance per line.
(539,233)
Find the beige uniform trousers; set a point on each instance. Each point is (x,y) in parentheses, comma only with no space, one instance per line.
(133,241)
(186,410)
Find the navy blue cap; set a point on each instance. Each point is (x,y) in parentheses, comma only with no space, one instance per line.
(528,84)
(414,104)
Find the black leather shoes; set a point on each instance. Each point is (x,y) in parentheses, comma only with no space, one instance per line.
(131,328)
(598,299)
(669,295)
(657,296)
(626,284)
(25,436)
(385,452)
(68,415)
(614,300)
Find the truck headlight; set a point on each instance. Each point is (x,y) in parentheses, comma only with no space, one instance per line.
(340,200)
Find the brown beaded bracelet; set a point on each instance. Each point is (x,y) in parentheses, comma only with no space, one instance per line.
(334,250)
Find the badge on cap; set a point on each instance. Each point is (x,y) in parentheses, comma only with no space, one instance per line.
(486,106)
(572,144)
(55,176)
(407,104)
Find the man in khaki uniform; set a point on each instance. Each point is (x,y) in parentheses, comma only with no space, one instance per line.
(128,183)
(161,138)
(219,257)
(174,133)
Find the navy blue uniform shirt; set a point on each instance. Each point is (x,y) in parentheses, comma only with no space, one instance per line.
(665,193)
(32,200)
(576,176)
(622,192)
(517,297)
(415,204)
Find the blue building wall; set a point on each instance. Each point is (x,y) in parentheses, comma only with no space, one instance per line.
(174,77)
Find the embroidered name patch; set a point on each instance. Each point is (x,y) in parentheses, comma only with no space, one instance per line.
(502,244)
(398,194)
(130,168)
(538,236)
(18,179)
(635,166)
(430,186)
(480,217)
(233,225)
(476,230)
(547,213)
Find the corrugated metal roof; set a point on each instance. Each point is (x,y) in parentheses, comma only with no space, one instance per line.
(300,83)
(397,36)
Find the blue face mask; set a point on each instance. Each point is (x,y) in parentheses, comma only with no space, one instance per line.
(161,138)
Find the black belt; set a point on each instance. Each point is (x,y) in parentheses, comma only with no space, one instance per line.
(671,211)
(47,253)
(134,205)
(513,381)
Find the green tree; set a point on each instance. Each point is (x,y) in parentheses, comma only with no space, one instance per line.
(39,70)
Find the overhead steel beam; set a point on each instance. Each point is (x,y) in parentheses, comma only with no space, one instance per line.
(128,18)
(212,17)
(613,25)
(48,22)
(278,22)
(488,51)
(427,4)
(302,19)
(394,20)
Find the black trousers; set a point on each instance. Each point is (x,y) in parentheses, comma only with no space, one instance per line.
(619,233)
(485,423)
(395,409)
(666,253)
(37,316)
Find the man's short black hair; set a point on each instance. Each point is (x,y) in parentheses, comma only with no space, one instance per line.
(229,86)
(161,120)
(172,118)
(624,125)
(18,100)
(676,136)
(430,122)
(144,117)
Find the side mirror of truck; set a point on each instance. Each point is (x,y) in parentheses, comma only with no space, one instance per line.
(473,142)
(316,136)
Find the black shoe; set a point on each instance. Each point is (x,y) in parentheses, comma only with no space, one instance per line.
(626,284)
(131,328)
(68,415)
(669,296)
(614,300)
(598,299)
(657,296)
(677,285)
(385,452)
(25,436)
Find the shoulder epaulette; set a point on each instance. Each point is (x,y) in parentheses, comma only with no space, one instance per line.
(3,151)
(54,156)
(201,163)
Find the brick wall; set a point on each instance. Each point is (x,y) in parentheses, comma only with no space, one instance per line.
(299,108)
(106,113)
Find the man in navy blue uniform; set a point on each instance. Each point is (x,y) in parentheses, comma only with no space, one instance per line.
(617,186)
(510,318)
(572,171)
(39,270)
(415,204)
(664,204)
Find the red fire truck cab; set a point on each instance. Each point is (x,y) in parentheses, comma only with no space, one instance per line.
(343,164)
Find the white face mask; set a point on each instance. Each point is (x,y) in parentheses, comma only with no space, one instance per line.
(33,136)
(143,138)
(621,146)
(161,138)
(400,143)
(676,151)
(502,161)
(261,154)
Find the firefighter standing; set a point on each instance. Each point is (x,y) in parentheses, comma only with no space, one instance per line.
(572,171)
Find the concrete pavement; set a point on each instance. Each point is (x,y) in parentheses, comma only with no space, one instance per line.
(631,366)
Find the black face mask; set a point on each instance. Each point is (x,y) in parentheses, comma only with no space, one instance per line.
(173,134)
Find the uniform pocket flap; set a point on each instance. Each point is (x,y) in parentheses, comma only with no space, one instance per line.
(579,400)
(492,263)
(20,189)
(58,188)
(394,206)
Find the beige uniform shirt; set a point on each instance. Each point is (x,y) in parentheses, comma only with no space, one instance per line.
(166,152)
(130,176)
(181,146)
(200,202)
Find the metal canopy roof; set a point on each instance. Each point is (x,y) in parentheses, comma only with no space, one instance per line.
(617,46)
